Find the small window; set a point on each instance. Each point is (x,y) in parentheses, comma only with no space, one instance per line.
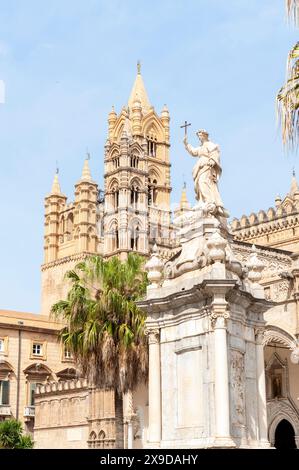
(2,345)
(4,392)
(37,349)
(67,353)
(32,392)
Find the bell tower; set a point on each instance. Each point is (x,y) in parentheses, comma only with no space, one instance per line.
(137,176)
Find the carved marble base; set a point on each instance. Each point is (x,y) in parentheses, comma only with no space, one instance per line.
(152,445)
(223,442)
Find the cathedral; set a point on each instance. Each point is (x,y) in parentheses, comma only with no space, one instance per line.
(222,309)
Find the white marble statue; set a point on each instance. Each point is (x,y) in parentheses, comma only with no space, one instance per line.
(206,173)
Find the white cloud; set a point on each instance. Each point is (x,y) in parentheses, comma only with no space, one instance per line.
(2,92)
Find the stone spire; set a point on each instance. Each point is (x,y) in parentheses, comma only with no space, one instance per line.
(139,91)
(294,185)
(86,175)
(184,203)
(56,186)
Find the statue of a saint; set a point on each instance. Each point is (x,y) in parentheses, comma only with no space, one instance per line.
(206,173)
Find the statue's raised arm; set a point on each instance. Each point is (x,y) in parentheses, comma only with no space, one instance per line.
(206,173)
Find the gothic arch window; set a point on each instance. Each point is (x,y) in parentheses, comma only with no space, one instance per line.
(115,198)
(90,234)
(134,160)
(69,226)
(152,191)
(92,439)
(151,145)
(89,212)
(134,194)
(114,237)
(61,228)
(134,236)
(115,160)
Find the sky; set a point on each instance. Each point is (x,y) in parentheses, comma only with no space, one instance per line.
(63,64)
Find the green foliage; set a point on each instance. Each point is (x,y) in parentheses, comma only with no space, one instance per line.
(11,436)
(104,327)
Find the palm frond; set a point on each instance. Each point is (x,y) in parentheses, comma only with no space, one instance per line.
(288,101)
(292,7)
(104,328)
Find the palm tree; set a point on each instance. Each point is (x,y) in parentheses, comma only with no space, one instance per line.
(11,436)
(288,96)
(104,327)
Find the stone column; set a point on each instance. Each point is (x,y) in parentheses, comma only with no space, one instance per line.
(219,316)
(222,414)
(154,388)
(261,390)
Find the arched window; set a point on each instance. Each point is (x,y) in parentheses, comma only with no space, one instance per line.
(61,228)
(134,195)
(115,162)
(152,191)
(90,246)
(115,197)
(115,238)
(151,146)
(69,226)
(135,237)
(134,161)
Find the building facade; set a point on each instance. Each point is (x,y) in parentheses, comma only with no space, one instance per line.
(39,383)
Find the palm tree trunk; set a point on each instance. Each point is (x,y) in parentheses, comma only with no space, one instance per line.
(119,421)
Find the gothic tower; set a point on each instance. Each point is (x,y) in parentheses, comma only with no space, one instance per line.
(71,234)
(137,176)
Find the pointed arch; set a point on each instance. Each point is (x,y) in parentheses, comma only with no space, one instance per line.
(153,127)
(113,234)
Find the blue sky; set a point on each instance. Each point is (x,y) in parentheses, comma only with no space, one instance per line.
(216,63)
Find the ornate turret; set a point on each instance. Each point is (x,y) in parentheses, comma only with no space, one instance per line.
(165,118)
(112,117)
(86,192)
(137,176)
(184,203)
(54,204)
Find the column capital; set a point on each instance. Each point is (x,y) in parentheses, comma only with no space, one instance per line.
(219,316)
(153,335)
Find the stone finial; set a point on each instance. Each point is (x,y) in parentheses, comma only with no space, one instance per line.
(154,268)
(255,266)
(56,186)
(294,185)
(216,245)
(277,200)
(86,175)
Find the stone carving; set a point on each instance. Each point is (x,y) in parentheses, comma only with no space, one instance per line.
(274,263)
(153,335)
(280,291)
(238,386)
(255,266)
(206,174)
(216,245)
(295,355)
(154,268)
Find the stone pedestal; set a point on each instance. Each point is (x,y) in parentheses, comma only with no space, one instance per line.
(206,386)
